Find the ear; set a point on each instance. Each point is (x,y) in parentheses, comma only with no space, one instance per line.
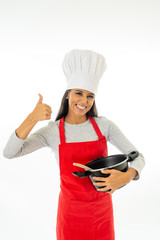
(68,94)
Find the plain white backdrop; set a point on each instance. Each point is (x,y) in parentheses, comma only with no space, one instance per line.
(34,37)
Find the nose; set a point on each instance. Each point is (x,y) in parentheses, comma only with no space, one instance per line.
(85,100)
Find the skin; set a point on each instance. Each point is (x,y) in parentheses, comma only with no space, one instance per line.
(116,179)
(83,98)
(41,112)
(75,115)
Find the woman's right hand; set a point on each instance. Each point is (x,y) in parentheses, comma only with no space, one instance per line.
(41,111)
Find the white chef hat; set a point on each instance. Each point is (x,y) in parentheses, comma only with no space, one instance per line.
(83,69)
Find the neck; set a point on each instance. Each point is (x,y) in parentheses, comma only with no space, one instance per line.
(75,119)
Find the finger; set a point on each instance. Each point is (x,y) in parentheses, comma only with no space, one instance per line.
(46,117)
(49,111)
(48,107)
(106,189)
(47,114)
(40,99)
(112,191)
(107,171)
(99,179)
(99,184)
(102,189)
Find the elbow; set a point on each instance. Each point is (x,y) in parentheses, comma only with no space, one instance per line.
(7,155)
(143,160)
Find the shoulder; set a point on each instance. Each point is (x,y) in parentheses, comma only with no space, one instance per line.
(50,132)
(51,128)
(53,124)
(106,125)
(101,120)
(103,124)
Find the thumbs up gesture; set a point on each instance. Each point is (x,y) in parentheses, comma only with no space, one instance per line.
(40,99)
(41,111)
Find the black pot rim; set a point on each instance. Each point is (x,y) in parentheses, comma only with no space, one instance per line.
(115,165)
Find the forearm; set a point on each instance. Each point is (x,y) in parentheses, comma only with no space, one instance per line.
(130,174)
(17,147)
(19,143)
(25,128)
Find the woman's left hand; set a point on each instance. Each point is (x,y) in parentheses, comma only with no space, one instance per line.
(116,179)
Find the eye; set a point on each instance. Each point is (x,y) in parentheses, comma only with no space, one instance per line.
(79,93)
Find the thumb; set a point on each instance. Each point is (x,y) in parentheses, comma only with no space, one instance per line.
(40,99)
(106,171)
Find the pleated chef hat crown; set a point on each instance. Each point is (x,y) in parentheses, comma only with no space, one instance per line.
(83,69)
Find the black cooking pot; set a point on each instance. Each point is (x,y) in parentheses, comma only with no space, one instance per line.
(118,162)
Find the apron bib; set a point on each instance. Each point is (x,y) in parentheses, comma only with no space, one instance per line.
(83,213)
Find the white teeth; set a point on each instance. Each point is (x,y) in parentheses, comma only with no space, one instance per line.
(80,107)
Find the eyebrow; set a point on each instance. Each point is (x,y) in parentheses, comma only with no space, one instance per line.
(82,92)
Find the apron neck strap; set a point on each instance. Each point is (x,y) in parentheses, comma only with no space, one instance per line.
(96,128)
(62,133)
(61,130)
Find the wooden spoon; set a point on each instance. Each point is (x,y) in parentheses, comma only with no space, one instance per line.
(83,166)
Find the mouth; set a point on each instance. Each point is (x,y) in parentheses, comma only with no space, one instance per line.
(80,107)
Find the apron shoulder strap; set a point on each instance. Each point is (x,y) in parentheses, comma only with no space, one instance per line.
(61,131)
(96,128)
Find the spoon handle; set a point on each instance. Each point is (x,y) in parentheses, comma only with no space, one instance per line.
(82,166)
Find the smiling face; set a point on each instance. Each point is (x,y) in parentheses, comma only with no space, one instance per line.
(80,102)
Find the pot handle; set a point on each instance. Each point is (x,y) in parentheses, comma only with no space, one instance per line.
(132,156)
(82,174)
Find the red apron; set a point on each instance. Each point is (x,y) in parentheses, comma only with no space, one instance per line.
(83,213)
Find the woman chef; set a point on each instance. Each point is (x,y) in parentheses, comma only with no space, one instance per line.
(78,135)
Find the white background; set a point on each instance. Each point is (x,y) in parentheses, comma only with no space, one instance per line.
(34,37)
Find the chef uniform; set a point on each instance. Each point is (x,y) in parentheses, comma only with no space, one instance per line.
(83,213)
